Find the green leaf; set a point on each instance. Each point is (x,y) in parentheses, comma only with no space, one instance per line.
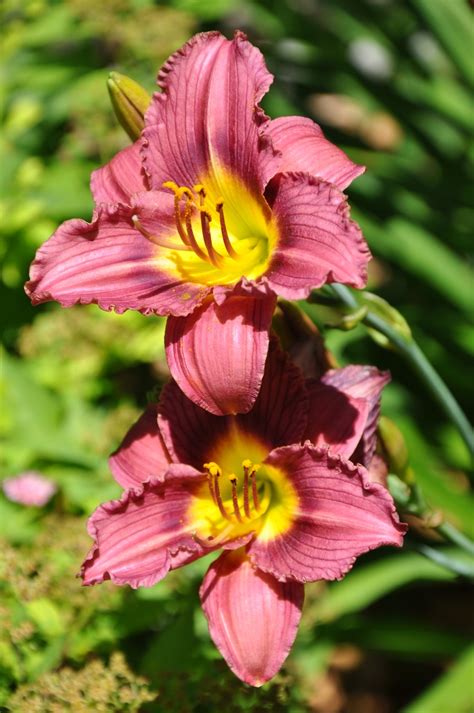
(46,616)
(424,256)
(453,692)
(451,22)
(368,583)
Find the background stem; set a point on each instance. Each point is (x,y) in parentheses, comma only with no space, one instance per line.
(412,352)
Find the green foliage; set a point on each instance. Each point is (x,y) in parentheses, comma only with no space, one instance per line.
(452,692)
(392,635)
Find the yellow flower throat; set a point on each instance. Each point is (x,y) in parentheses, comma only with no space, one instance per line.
(223,233)
(239,498)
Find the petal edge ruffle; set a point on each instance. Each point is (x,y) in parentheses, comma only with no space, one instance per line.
(318,243)
(340,514)
(140,537)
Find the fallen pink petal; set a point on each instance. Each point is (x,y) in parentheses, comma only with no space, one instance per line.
(215,207)
(30,488)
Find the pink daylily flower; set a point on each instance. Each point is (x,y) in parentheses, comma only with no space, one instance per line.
(209,216)
(29,488)
(274,488)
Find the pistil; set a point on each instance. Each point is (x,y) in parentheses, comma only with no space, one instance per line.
(235,499)
(162,242)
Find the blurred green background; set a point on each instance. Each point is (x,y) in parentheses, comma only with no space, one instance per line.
(390,81)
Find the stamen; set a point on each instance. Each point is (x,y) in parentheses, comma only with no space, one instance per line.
(225,234)
(246,465)
(200,190)
(190,233)
(178,221)
(235,499)
(255,496)
(210,483)
(214,257)
(162,242)
(219,502)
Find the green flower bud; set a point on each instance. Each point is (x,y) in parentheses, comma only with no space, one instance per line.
(129,101)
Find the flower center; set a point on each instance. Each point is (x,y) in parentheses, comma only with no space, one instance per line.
(232,503)
(241,496)
(223,233)
(248,499)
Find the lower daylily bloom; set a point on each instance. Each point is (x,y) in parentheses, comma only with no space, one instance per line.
(213,212)
(274,488)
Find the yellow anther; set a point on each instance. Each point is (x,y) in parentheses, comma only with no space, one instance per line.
(256,467)
(212,468)
(199,188)
(179,191)
(171,185)
(246,463)
(219,202)
(205,212)
(232,478)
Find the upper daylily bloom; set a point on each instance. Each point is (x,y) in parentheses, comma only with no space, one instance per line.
(213,212)
(274,488)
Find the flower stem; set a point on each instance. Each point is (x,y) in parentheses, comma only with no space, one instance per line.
(447,561)
(451,533)
(412,352)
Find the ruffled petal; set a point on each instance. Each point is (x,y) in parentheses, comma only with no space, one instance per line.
(140,537)
(318,243)
(364,382)
(142,455)
(253,618)
(277,418)
(120,178)
(206,120)
(217,354)
(108,262)
(304,147)
(339,514)
(335,419)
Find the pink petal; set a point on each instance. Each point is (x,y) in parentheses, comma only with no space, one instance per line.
(206,116)
(29,488)
(364,382)
(107,262)
(140,537)
(217,354)
(378,470)
(318,243)
(277,418)
(304,147)
(120,178)
(142,454)
(253,619)
(339,516)
(335,419)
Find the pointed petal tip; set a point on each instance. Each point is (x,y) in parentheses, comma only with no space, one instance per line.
(253,618)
